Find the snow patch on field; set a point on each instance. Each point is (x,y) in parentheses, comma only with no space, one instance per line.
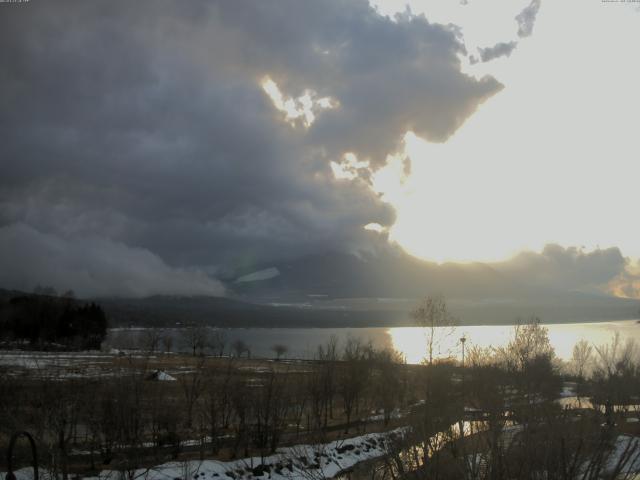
(39,360)
(161,376)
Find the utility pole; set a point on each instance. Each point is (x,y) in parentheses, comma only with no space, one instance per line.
(463,339)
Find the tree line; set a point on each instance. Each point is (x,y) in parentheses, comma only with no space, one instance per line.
(503,416)
(51,322)
(497,418)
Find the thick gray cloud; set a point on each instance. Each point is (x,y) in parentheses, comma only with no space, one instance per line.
(502,49)
(565,269)
(144,124)
(527,18)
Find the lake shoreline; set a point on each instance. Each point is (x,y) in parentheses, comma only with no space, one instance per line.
(303,342)
(365,326)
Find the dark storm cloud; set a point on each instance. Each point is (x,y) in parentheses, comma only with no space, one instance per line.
(502,49)
(143,124)
(527,18)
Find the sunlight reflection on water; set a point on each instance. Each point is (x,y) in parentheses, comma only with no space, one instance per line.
(412,341)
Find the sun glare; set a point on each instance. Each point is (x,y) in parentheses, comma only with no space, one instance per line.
(534,164)
(374,227)
(349,168)
(302,108)
(412,341)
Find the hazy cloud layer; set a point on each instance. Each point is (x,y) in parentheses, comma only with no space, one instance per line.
(92,266)
(144,124)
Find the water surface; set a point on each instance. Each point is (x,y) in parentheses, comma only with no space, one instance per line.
(410,341)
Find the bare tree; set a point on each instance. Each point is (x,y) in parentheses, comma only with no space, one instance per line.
(326,382)
(151,339)
(279,350)
(196,337)
(477,356)
(218,401)
(615,374)
(164,413)
(240,397)
(530,341)
(389,385)
(192,389)
(269,409)
(432,315)
(581,359)
(59,403)
(239,347)
(299,394)
(167,342)
(218,342)
(614,357)
(123,423)
(353,377)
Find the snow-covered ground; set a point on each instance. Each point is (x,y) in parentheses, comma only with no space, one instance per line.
(59,365)
(308,462)
(69,365)
(622,449)
(161,376)
(300,462)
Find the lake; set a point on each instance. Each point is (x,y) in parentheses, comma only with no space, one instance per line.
(410,341)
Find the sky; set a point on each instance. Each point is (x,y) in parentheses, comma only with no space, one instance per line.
(157,147)
(552,157)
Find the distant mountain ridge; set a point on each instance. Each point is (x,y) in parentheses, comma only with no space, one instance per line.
(390,275)
(476,292)
(341,275)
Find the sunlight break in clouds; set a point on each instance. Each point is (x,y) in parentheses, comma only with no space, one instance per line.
(350,168)
(301,108)
(551,158)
